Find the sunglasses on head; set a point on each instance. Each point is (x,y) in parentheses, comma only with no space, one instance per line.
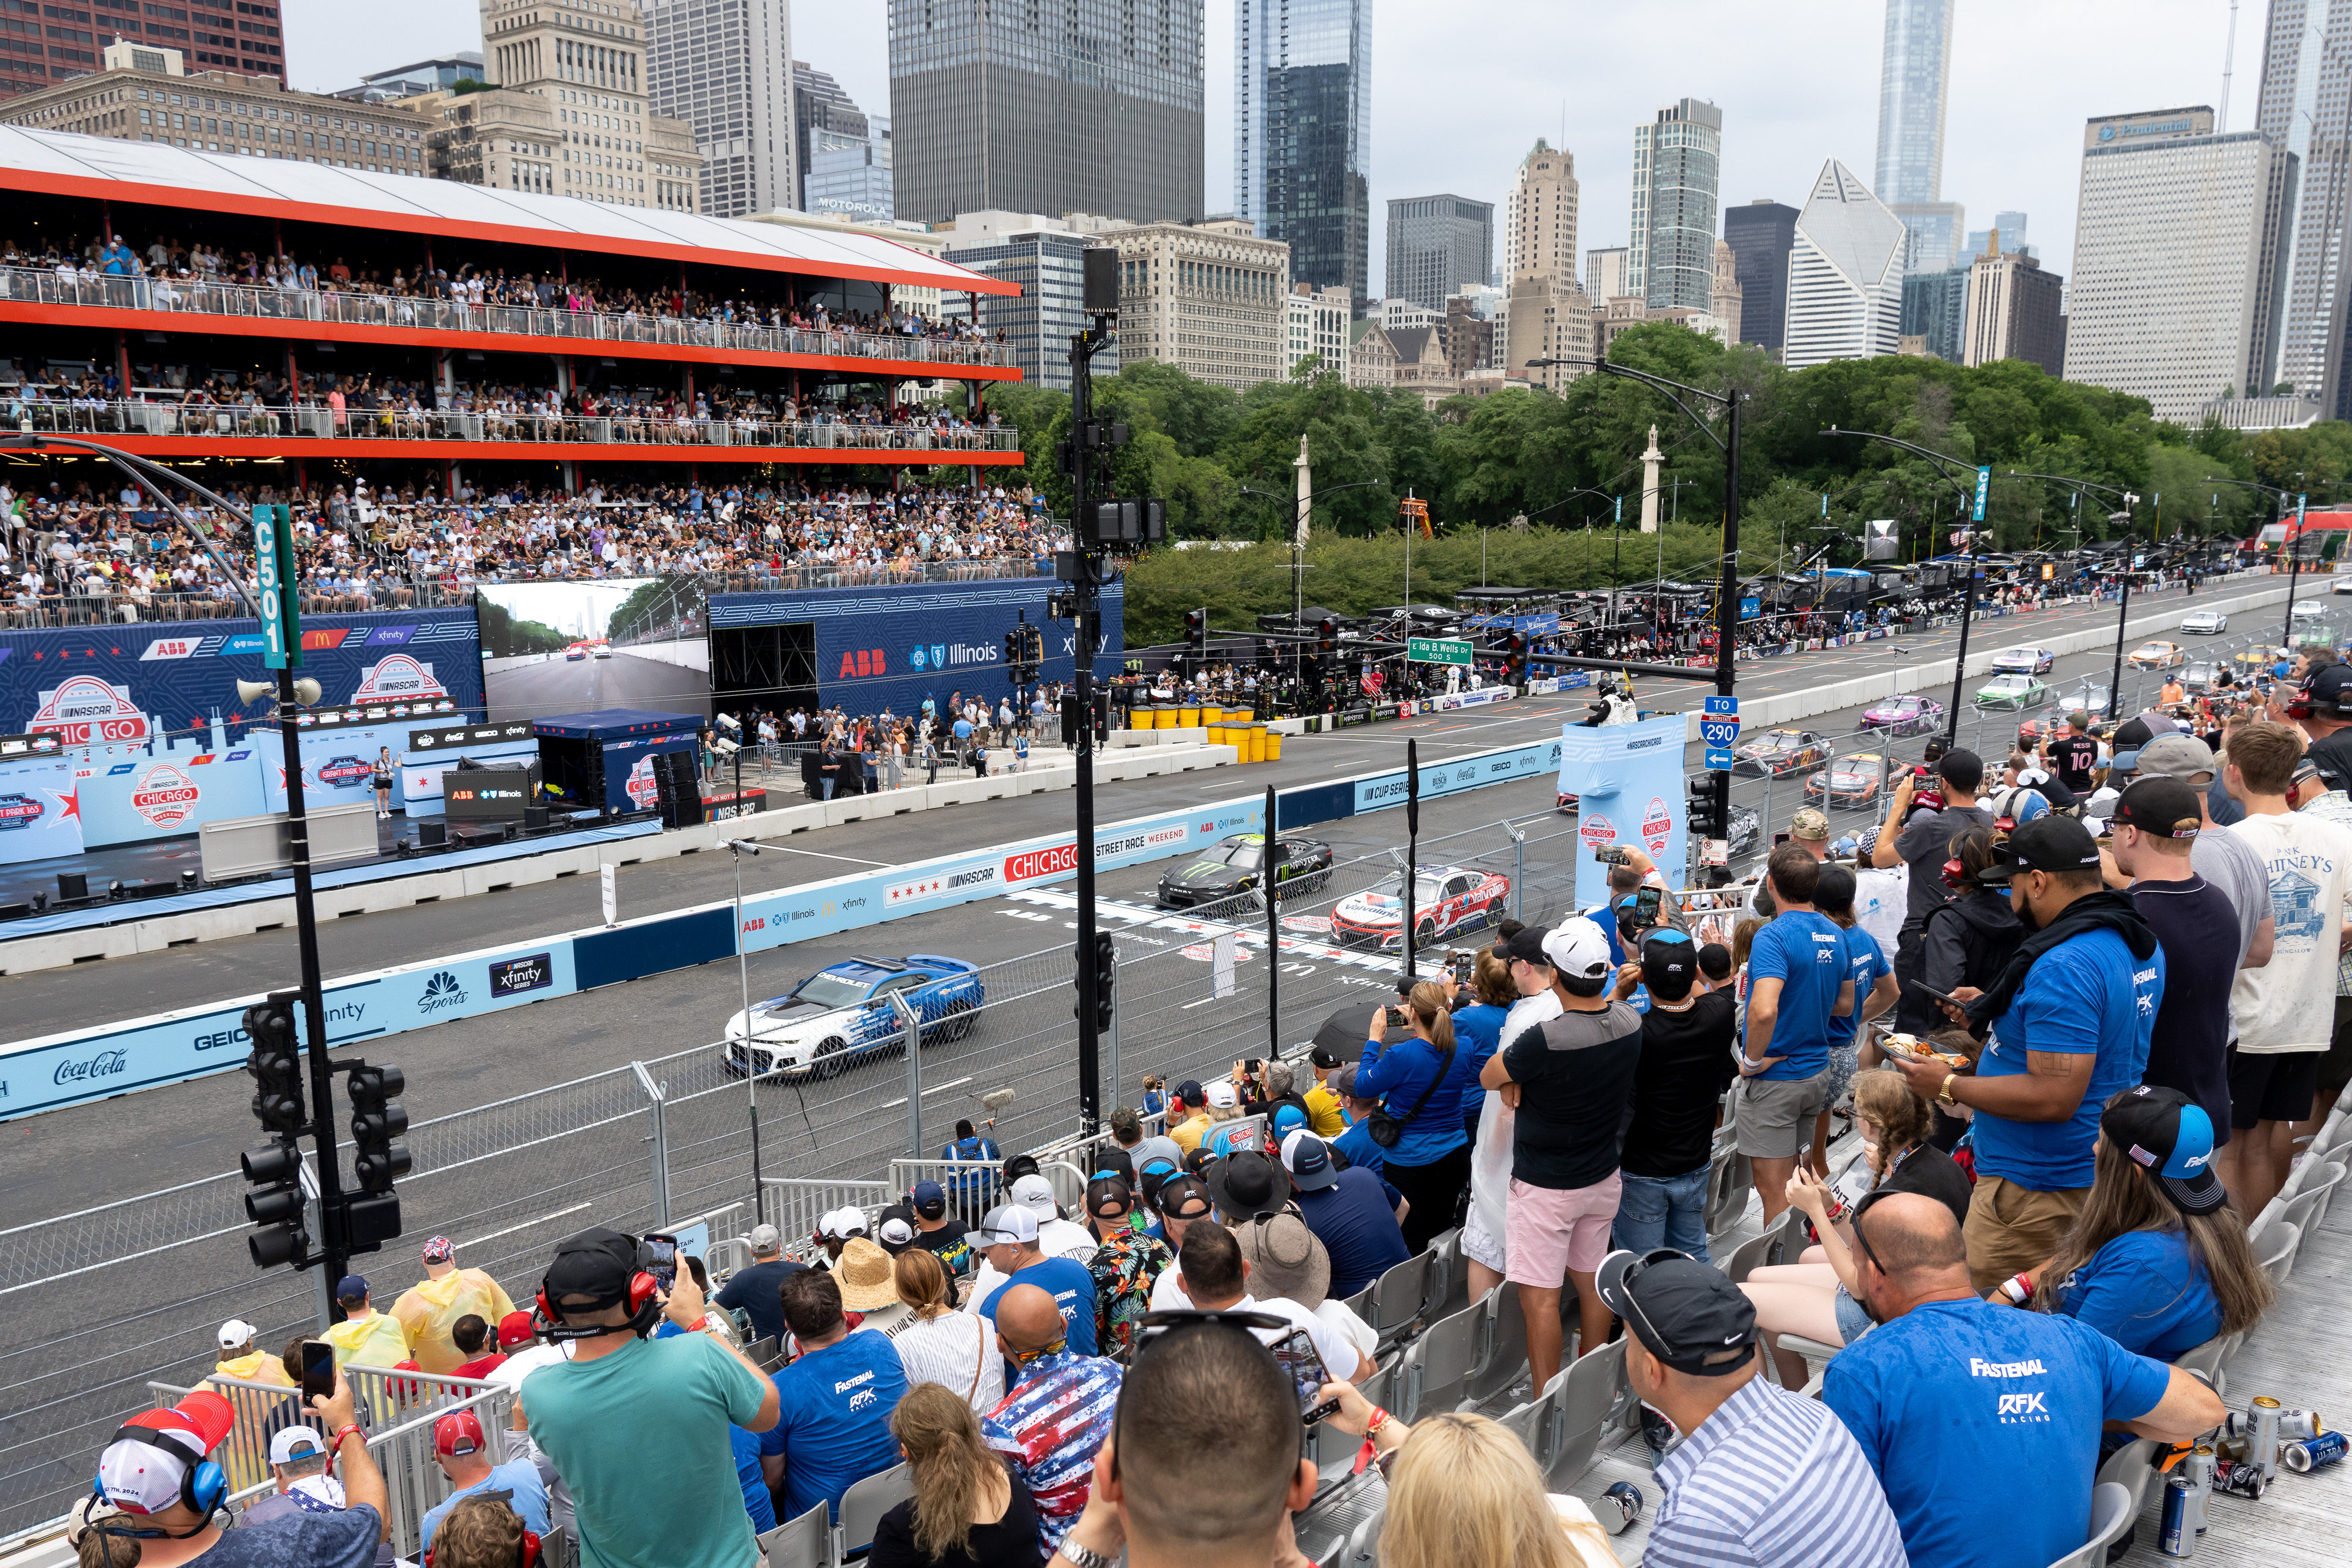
(1152,1328)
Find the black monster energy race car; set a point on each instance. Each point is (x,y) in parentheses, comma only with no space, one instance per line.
(1233,866)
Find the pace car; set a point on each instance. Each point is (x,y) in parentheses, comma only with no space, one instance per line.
(1230,867)
(2012,691)
(1446,899)
(1779,751)
(1904,716)
(2024,660)
(843,1013)
(2205,622)
(1849,782)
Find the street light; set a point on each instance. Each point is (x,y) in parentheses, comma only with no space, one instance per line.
(1967,569)
(738,848)
(1298,550)
(2294,544)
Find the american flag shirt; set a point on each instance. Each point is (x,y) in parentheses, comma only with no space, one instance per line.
(1050,1426)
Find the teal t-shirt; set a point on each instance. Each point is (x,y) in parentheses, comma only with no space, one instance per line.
(650,1497)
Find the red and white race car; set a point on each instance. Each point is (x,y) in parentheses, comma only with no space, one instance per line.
(1446,899)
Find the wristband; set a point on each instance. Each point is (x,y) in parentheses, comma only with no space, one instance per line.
(2018,1287)
(342,1432)
(1380,1418)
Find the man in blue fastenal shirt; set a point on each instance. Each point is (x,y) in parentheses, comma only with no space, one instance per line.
(2072,1017)
(1799,980)
(835,1400)
(1956,1402)
(1007,1238)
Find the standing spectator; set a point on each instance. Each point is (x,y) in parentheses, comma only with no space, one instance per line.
(1352,1212)
(940,1233)
(239,1359)
(956,1350)
(2155,828)
(1922,840)
(461,1450)
(2222,857)
(2071,1016)
(1684,1068)
(1008,1239)
(828,768)
(1799,980)
(1188,1114)
(427,1309)
(753,1291)
(1529,973)
(637,1502)
(2018,1397)
(1968,941)
(833,1401)
(969,1511)
(1762,1475)
(1873,994)
(365,1337)
(969,1189)
(2075,755)
(1572,1079)
(1424,1080)
(2285,1010)
(1126,1264)
(1050,1426)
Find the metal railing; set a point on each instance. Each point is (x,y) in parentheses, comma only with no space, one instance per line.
(205,297)
(318,421)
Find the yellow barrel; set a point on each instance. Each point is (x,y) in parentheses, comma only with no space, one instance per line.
(1274,745)
(1187,716)
(1148,717)
(1212,734)
(1212,714)
(1258,743)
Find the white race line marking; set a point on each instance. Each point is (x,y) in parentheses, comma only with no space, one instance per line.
(819,854)
(525,1225)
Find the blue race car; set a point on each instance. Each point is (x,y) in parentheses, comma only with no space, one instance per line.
(844,1013)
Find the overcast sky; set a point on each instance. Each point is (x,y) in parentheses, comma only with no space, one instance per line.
(1462,89)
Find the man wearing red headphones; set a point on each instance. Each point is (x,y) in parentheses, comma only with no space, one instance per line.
(643,1499)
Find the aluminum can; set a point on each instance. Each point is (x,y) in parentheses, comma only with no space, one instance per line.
(1627,1498)
(2314,1453)
(2239,1478)
(2179,1534)
(2293,1426)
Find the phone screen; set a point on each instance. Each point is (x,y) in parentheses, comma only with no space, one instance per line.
(1647,901)
(317,1369)
(1780,839)
(1295,1352)
(662,1252)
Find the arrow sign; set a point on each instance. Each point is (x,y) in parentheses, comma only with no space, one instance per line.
(1718,761)
(1718,732)
(1721,705)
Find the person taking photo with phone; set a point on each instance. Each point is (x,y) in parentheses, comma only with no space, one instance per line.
(1425,1081)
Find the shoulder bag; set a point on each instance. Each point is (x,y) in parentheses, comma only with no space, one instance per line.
(1385,1129)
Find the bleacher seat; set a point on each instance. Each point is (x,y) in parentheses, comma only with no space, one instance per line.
(1360,1303)
(1398,1297)
(2111,1515)
(1439,1362)
(767,1354)
(555,1549)
(2133,1467)
(2274,1250)
(1590,1398)
(2303,1210)
(1503,1356)
(2208,1359)
(802,1542)
(863,1506)
(1746,1258)
(1728,1182)
(1445,1272)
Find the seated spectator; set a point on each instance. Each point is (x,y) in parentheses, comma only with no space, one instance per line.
(1678,1085)
(1057,1237)
(834,1231)
(753,1291)
(1215,1275)
(461,1449)
(834,1402)
(1057,1414)
(429,1309)
(481,1532)
(1353,1148)
(470,1335)
(868,1282)
(956,1350)
(2158,1261)
(634,1501)
(1184,1202)
(1127,1263)
(1008,1238)
(1353,1213)
(298,1465)
(969,1509)
(1955,1401)
(365,1337)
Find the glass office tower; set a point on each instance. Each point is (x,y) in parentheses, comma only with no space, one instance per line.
(1303,134)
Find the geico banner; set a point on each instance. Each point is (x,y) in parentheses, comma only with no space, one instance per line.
(1380,791)
(166,1048)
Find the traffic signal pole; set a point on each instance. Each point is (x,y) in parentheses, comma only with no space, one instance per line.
(329,1252)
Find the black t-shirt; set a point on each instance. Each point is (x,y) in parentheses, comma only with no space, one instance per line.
(952,1243)
(1010,1542)
(1925,844)
(753,1293)
(1684,1068)
(2074,757)
(1576,1074)
(2188,1050)
(1928,1171)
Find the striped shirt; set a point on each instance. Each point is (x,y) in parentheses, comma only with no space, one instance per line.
(1771,1477)
(1050,1427)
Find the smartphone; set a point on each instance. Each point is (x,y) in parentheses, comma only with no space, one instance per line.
(1399,1018)
(1929,991)
(661,1255)
(1462,966)
(1254,1065)
(1296,1354)
(317,1369)
(1646,903)
(1780,839)
(1610,856)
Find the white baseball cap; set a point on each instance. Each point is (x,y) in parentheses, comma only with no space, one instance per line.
(1007,1223)
(1035,1194)
(1222,1094)
(292,1443)
(237,1333)
(1578,950)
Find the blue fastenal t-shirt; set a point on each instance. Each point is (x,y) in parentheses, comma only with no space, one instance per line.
(834,1427)
(2085,996)
(1865,961)
(1959,1407)
(1072,1286)
(1806,953)
(2145,1291)
(757,1502)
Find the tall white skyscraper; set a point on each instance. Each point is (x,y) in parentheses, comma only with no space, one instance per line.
(1677,161)
(725,66)
(2307,114)
(1546,315)
(1846,275)
(575,92)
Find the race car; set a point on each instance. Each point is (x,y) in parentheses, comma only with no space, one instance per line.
(2341,585)
(2157,656)
(1779,751)
(2307,610)
(2205,622)
(2012,691)
(1446,899)
(2024,660)
(1903,716)
(604,653)
(574,655)
(843,1013)
(1230,867)
(1747,831)
(1848,783)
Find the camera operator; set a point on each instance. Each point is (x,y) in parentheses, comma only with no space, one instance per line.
(1918,831)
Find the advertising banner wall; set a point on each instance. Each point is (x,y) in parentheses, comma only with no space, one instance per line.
(1628,780)
(39,818)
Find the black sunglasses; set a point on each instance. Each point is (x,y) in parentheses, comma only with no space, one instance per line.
(1153,1327)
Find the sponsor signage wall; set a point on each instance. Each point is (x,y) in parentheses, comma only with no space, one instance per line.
(1628,780)
(424,753)
(39,817)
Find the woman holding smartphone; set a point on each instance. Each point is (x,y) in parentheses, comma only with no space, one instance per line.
(1426,1079)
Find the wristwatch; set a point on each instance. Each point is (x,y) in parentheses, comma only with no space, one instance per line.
(1082,1557)
(1945,1093)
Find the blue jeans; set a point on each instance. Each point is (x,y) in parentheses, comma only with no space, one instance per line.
(1663,1211)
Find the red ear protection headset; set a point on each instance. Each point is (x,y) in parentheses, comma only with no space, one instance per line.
(643,1296)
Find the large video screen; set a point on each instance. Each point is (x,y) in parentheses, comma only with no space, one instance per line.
(612,642)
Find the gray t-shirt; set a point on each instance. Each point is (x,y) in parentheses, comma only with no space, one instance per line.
(1923,845)
(2230,863)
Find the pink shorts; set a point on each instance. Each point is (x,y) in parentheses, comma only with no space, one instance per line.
(1547,1232)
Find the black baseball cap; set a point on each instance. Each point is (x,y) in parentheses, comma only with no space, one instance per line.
(1669,961)
(1109,1197)
(2166,808)
(1961,769)
(1686,1313)
(2051,843)
(597,1265)
(2327,692)
(1177,1195)
(1526,947)
(2165,1131)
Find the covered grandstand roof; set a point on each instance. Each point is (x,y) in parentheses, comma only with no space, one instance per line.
(64,164)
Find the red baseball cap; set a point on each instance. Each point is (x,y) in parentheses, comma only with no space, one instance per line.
(514,1329)
(457,1434)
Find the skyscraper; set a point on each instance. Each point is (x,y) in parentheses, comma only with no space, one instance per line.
(1303,133)
(823,115)
(1761,235)
(2011,226)
(576,97)
(243,38)
(1676,160)
(1846,275)
(1546,315)
(724,67)
(1092,106)
(849,176)
(2307,113)
(1914,69)
(1438,245)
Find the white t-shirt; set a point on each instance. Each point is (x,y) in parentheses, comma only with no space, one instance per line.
(2289,1004)
(529,1359)
(1331,1342)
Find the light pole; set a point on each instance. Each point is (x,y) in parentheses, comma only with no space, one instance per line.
(1967,569)
(738,848)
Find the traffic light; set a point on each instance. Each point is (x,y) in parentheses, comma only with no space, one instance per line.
(275,1063)
(1326,635)
(1122,526)
(371,1216)
(1014,646)
(1106,968)
(1699,801)
(1515,659)
(1196,633)
(275,1204)
(1033,654)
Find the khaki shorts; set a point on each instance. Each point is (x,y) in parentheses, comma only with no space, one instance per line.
(2013,1229)
(1774,1115)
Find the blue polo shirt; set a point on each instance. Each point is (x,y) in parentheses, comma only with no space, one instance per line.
(1960,1407)
(1865,961)
(1806,953)
(2145,1291)
(2085,996)
(1362,1154)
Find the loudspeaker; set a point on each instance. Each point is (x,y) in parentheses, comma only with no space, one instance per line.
(71,885)
(687,784)
(534,819)
(431,834)
(665,790)
(1101,280)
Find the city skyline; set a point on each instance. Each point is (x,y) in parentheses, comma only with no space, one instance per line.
(1790,98)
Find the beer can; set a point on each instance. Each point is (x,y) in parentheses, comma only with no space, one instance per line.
(2293,1426)
(2239,1478)
(1627,1497)
(2231,1447)
(2314,1453)
(2179,1535)
(2263,1441)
